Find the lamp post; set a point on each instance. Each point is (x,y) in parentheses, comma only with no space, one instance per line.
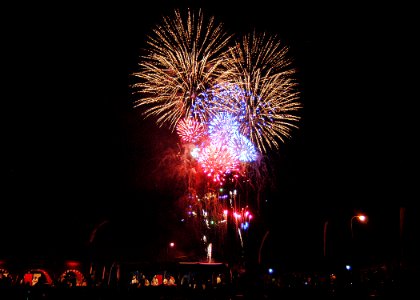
(325,238)
(355,278)
(94,253)
(361,218)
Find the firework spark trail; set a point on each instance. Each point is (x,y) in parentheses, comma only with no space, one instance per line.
(183,60)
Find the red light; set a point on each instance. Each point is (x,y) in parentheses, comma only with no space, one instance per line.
(72,264)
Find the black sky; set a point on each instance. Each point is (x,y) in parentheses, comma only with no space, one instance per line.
(77,152)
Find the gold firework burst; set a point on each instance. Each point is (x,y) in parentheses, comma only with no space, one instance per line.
(268,102)
(182,60)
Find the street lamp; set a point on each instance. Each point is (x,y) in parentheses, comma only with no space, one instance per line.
(361,218)
(170,245)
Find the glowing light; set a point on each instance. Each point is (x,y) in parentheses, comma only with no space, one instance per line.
(245,225)
(195,152)
(72,264)
(362,218)
(209,251)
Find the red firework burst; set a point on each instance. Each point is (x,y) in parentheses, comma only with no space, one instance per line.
(189,130)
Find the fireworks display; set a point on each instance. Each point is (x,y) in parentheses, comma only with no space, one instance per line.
(230,103)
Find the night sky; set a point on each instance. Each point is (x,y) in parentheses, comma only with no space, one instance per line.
(78,153)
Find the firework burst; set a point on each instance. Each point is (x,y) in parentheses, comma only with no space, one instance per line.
(263,91)
(189,130)
(182,61)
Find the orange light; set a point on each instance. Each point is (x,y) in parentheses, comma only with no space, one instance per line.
(362,218)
